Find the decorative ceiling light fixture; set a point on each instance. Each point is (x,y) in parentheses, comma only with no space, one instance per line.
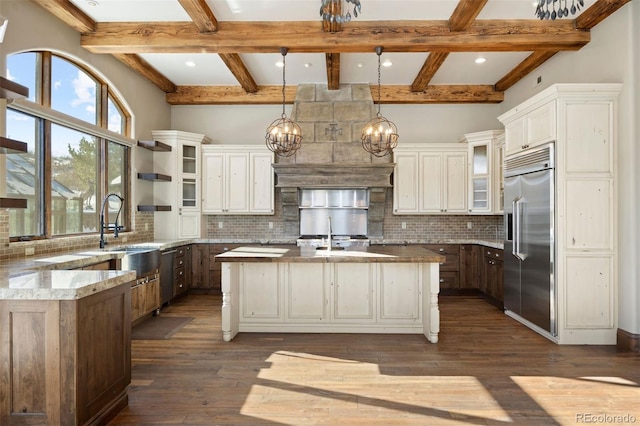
(543,12)
(284,136)
(331,12)
(379,136)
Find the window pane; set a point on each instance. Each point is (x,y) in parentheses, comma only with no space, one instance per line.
(23,176)
(116,117)
(21,68)
(73,91)
(116,180)
(74,170)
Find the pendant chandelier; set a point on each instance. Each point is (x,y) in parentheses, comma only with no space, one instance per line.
(543,12)
(379,136)
(332,12)
(284,136)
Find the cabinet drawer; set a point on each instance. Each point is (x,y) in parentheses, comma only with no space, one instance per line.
(179,273)
(449,280)
(179,286)
(179,262)
(494,253)
(180,251)
(444,248)
(452,263)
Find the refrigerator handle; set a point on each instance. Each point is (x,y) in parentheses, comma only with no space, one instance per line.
(517,224)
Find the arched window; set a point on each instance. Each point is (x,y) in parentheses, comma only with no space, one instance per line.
(76,131)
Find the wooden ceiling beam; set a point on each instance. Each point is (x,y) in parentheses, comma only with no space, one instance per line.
(463,16)
(200,14)
(333,70)
(525,67)
(272,95)
(598,12)
(308,37)
(69,13)
(240,71)
(142,67)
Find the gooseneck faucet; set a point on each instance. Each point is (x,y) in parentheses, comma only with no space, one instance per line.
(116,228)
(329,234)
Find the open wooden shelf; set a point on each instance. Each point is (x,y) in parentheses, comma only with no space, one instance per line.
(13,203)
(154,145)
(154,208)
(12,90)
(10,146)
(154,177)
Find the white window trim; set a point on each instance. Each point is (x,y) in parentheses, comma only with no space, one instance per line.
(57,117)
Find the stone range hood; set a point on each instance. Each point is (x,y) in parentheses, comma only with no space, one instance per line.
(331,155)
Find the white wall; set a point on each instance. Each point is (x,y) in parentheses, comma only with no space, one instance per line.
(612,56)
(246,125)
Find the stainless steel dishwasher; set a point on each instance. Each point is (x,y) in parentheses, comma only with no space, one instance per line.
(166,275)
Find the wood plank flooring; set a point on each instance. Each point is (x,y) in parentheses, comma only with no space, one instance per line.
(486,369)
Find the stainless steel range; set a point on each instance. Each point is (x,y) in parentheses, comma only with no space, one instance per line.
(335,216)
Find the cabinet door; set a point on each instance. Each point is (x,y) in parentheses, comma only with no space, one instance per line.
(353,286)
(498,177)
(514,136)
(213,183)
(541,125)
(260,293)
(189,224)
(456,182)
(480,171)
(151,296)
(138,301)
(399,292)
(307,292)
(237,183)
(200,274)
(405,183)
(261,179)
(431,182)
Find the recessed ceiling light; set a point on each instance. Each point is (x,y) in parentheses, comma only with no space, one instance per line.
(359,65)
(190,64)
(92,3)
(480,60)
(308,65)
(279,64)
(387,62)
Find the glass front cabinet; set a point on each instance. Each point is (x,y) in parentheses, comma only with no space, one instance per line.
(484,171)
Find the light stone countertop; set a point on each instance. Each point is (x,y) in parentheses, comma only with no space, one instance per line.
(294,254)
(60,285)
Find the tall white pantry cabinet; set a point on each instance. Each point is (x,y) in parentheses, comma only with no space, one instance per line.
(183,192)
(582,120)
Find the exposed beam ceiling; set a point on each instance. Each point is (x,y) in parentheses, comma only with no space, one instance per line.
(462,32)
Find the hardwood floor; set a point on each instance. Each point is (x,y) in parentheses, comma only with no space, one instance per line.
(486,369)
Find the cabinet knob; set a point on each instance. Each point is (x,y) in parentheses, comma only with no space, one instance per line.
(441,249)
(441,263)
(441,280)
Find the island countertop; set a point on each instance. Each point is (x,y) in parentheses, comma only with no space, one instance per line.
(60,285)
(294,254)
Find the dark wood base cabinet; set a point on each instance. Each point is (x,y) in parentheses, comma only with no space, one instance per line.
(450,268)
(65,362)
(206,272)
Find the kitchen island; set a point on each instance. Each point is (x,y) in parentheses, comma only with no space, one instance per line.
(376,289)
(65,351)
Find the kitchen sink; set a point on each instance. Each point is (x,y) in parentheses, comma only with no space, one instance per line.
(332,248)
(143,260)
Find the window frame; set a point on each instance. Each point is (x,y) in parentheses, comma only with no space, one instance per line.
(45,117)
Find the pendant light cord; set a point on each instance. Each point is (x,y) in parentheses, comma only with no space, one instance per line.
(284,51)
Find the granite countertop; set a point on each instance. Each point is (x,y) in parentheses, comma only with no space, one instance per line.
(290,254)
(60,285)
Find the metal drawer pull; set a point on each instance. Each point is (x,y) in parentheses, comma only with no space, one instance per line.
(441,280)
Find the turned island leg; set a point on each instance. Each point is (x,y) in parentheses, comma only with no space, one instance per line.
(431,312)
(230,309)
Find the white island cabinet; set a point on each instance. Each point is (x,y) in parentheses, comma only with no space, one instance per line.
(378,289)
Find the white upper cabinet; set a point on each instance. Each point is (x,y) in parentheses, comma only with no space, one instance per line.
(483,169)
(430,179)
(237,180)
(536,127)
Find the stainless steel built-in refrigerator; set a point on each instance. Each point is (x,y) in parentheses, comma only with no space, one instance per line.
(529,195)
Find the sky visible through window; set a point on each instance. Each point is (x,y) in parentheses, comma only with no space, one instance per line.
(73,93)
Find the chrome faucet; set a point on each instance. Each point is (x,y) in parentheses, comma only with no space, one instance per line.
(116,228)
(329,234)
